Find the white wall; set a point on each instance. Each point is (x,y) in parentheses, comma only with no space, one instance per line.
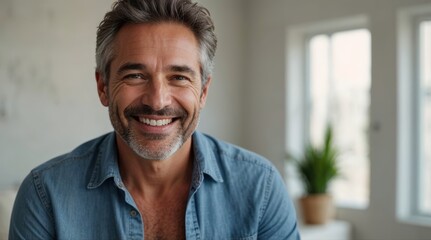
(223,114)
(268,22)
(48,97)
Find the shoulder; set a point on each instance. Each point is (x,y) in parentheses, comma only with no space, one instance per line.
(63,174)
(72,169)
(54,179)
(56,196)
(237,167)
(249,186)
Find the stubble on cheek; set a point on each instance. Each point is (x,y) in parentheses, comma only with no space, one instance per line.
(116,120)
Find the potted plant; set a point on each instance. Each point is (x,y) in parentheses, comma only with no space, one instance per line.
(317,168)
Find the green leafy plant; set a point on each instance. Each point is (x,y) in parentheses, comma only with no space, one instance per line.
(318,166)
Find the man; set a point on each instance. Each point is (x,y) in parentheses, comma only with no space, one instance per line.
(154,177)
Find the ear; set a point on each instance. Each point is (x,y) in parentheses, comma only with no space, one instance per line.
(204,93)
(102,89)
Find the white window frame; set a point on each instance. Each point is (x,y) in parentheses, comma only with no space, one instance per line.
(297,84)
(408,115)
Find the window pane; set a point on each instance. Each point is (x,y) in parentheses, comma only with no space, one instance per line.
(425,128)
(340,94)
(319,87)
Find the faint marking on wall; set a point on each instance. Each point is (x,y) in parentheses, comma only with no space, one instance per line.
(3,108)
(25,60)
(23,78)
(30,74)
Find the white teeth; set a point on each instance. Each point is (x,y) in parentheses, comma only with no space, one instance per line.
(155,123)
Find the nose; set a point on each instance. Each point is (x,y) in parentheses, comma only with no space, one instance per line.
(157,95)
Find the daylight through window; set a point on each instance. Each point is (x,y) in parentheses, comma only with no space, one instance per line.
(339,93)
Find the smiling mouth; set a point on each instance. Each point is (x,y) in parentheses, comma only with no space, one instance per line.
(155,122)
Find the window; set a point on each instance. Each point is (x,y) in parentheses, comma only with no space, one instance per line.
(339,85)
(414,115)
(328,81)
(424,118)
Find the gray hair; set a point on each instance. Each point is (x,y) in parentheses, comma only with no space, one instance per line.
(193,16)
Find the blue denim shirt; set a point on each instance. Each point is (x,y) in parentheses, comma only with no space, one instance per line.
(235,194)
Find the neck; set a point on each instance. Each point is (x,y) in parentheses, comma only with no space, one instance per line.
(155,178)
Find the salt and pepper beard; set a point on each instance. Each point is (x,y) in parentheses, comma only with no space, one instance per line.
(133,139)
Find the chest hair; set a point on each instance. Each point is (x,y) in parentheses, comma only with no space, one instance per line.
(164,219)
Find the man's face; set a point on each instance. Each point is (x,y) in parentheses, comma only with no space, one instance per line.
(155,92)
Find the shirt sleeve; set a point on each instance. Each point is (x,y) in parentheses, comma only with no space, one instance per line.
(278,220)
(31,218)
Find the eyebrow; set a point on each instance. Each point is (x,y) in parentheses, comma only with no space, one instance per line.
(182,69)
(131,66)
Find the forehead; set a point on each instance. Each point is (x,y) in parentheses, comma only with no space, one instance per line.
(140,40)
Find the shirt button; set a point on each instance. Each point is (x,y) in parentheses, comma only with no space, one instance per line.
(133,213)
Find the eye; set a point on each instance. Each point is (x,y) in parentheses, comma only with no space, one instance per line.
(134,76)
(180,78)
